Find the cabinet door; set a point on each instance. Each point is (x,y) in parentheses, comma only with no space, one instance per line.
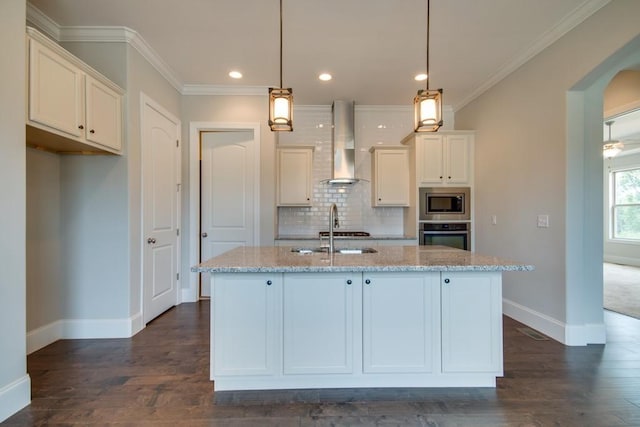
(245,324)
(104,115)
(294,176)
(401,322)
(55,91)
(390,177)
(457,159)
(319,322)
(430,159)
(472,322)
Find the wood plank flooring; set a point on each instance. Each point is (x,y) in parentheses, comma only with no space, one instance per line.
(160,377)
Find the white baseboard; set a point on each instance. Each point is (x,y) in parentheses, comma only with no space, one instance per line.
(14,396)
(83,329)
(571,335)
(622,260)
(189,295)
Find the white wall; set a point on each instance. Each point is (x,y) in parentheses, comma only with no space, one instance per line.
(15,386)
(532,159)
(45,290)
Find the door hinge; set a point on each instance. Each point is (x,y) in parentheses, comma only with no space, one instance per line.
(177,231)
(177,143)
(177,276)
(178,186)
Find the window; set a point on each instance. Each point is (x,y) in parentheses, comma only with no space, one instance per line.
(625,206)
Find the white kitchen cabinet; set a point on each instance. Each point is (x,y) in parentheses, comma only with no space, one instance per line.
(401,322)
(318,315)
(71,107)
(390,172)
(444,159)
(294,176)
(471,322)
(246,326)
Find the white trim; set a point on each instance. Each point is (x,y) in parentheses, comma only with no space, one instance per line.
(44,335)
(623,260)
(15,396)
(195,128)
(83,328)
(47,25)
(196,89)
(573,19)
(571,335)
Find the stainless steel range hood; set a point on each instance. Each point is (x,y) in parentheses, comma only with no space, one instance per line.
(343,144)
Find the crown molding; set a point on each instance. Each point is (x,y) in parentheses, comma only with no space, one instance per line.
(222,90)
(103,34)
(36,18)
(572,20)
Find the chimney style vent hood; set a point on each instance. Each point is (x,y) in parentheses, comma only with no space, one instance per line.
(343,144)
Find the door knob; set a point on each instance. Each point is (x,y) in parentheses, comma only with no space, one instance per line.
(204,235)
(151,240)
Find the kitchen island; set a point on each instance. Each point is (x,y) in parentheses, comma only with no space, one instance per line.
(404,316)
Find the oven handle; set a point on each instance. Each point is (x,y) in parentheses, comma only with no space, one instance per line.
(446,232)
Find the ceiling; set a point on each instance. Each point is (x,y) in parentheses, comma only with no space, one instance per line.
(373,48)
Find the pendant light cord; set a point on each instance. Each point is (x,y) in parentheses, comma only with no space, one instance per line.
(281,44)
(428,31)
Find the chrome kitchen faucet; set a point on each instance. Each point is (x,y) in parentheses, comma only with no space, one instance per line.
(333,223)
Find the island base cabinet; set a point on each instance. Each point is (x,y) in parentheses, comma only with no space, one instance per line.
(401,322)
(319,312)
(245,324)
(471,322)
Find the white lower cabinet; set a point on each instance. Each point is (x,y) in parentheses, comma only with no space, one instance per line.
(356,329)
(318,316)
(401,322)
(245,324)
(472,322)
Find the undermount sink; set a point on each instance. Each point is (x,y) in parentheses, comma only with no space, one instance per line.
(346,251)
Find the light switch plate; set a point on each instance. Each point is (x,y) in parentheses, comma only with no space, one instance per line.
(543,221)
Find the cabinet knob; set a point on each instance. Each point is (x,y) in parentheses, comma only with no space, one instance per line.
(368,282)
(80,127)
(92,131)
(379,199)
(449,177)
(446,280)
(349,282)
(440,176)
(151,240)
(269,282)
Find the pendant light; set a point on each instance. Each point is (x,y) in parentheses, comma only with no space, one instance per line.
(281,99)
(427,104)
(611,148)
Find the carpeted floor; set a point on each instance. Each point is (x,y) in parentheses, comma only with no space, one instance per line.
(622,289)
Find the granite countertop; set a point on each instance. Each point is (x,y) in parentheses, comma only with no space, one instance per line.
(273,259)
(316,238)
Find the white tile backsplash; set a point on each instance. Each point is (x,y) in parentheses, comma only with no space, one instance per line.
(374,125)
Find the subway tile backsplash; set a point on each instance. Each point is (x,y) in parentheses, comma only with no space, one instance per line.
(374,125)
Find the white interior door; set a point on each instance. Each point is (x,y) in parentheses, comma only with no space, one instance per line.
(227,189)
(160,210)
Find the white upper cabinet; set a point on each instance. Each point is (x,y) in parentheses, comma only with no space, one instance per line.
(71,107)
(294,176)
(444,159)
(390,172)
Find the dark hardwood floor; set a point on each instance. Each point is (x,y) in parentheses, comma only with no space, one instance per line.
(160,377)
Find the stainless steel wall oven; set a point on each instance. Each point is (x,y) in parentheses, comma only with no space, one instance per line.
(456,234)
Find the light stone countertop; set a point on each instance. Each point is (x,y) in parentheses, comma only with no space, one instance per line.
(273,259)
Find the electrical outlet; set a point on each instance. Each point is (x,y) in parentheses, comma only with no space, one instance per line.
(543,221)
(494,220)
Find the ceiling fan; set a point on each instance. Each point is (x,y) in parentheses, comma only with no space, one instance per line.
(612,147)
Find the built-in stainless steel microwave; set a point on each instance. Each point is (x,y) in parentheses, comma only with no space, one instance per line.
(445,204)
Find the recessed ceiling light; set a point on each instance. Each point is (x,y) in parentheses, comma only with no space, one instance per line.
(421,77)
(235,74)
(325,77)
